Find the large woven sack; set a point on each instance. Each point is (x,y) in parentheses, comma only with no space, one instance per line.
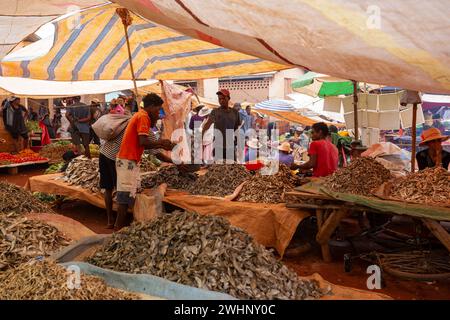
(109,126)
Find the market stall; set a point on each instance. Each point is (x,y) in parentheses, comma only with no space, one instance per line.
(366,186)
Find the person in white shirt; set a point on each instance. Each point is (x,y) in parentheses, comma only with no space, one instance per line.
(208,137)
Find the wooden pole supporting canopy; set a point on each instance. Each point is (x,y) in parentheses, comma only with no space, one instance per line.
(355,108)
(127,20)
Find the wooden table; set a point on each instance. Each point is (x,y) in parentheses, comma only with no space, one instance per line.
(330,212)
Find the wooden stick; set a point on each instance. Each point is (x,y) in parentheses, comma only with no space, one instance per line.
(355,108)
(330,225)
(126,21)
(326,254)
(413,148)
(438,231)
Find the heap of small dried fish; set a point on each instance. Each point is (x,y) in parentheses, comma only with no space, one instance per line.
(268,188)
(83,172)
(220,180)
(18,200)
(149,163)
(22,239)
(205,252)
(431,186)
(170,175)
(362,176)
(45,280)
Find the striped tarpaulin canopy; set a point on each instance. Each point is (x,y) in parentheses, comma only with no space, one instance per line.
(19,18)
(92,46)
(274,105)
(397,43)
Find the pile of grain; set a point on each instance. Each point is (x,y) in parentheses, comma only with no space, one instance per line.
(363,176)
(43,280)
(55,151)
(205,252)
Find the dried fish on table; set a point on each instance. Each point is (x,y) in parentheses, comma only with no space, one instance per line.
(205,252)
(18,200)
(362,176)
(220,180)
(149,163)
(430,186)
(45,280)
(22,239)
(268,188)
(83,172)
(170,175)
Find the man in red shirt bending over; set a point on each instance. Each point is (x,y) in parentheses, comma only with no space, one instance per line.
(323,155)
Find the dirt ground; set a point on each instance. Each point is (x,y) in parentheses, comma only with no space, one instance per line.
(307,264)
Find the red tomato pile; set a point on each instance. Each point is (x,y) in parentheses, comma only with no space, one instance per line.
(7,158)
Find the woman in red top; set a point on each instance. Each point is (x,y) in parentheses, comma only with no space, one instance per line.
(323,155)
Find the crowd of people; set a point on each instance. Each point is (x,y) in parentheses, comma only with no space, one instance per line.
(229,133)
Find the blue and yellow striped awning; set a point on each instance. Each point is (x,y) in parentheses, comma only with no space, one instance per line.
(95,49)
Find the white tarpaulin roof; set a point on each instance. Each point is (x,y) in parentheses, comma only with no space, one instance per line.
(23,87)
(398,43)
(20,18)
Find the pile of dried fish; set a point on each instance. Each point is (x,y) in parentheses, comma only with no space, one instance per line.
(149,163)
(220,180)
(170,175)
(18,200)
(205,252)
(45,280)
(362,176)
(431,186)
(22,239)
(268,188)
(83,172)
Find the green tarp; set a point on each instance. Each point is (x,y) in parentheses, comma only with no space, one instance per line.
(388,206)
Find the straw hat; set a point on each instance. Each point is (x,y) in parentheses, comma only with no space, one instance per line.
(254,144)
(205,111)
(285,146)
(432,134)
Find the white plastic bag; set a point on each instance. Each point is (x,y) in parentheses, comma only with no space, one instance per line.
(109,126)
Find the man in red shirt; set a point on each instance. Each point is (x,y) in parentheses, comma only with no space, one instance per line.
(135,141)
(323,155)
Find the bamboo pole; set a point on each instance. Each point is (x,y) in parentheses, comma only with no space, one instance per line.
(413,141)
(124,14)
(355,108)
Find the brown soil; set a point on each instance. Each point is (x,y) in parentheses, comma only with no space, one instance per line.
(95,219)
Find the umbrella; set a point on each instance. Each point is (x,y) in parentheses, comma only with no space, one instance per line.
(274,105)
(284,110)
(320,85)
(96,49)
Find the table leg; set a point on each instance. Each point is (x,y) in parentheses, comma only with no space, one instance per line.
(438,231)
(326,254)
(330,225)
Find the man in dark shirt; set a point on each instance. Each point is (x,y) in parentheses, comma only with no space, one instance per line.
(79,116)
(226,121)
(14,115)
(434,155)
